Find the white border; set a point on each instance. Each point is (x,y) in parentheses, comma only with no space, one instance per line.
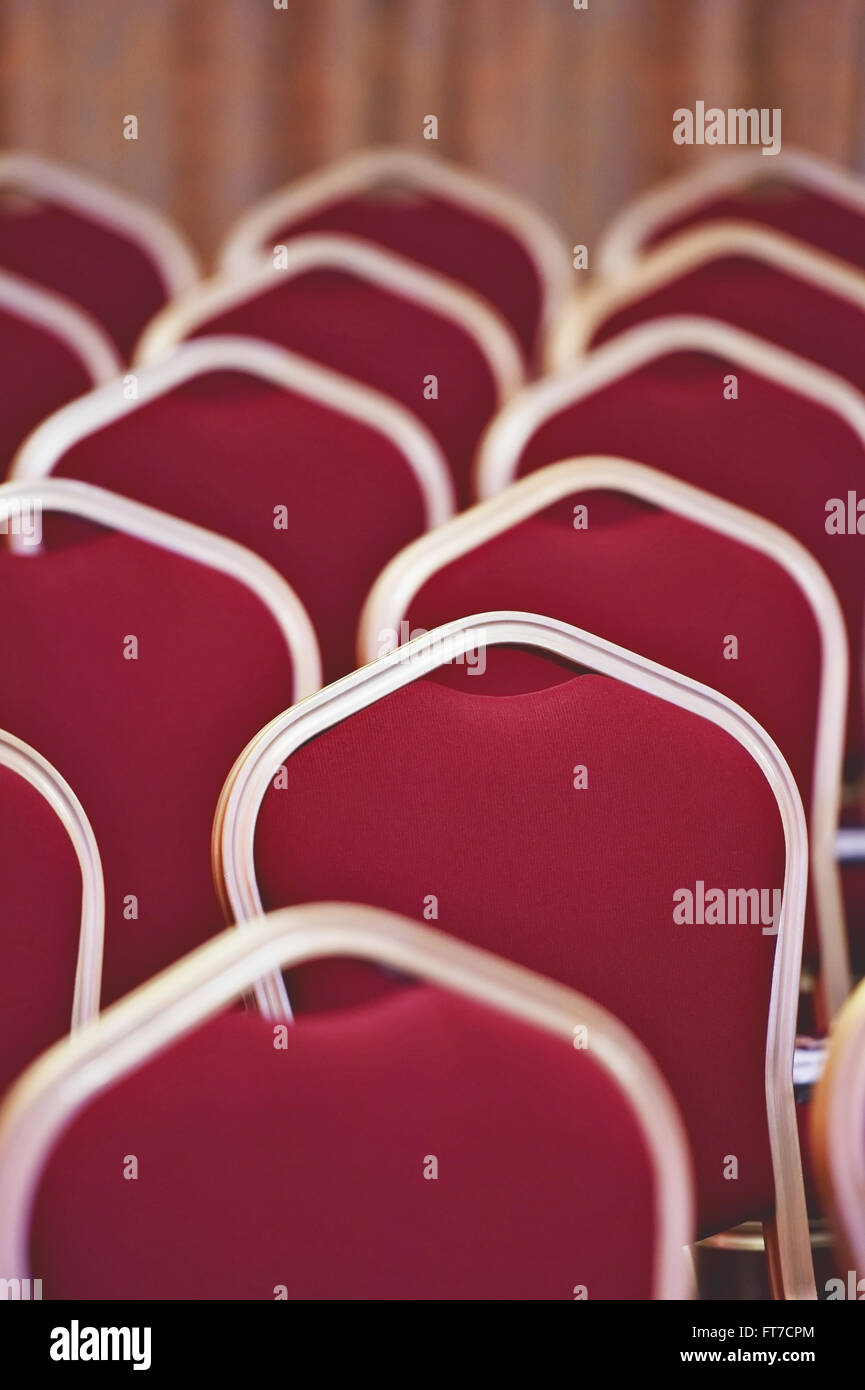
(23,760)
(494,338)
(542,243)
(391,596)
(80,334)
(42,450)
(247,783)
(629,232)
(66,1079)
(95,201)
(182,538)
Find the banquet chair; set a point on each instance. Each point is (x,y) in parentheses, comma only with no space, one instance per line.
(143,655)
(116,258)
(320,476)
(377,317)
(449,219)
(838,1141)
(795,192)
(676,574)
(50,352)
(577,830)
(52,909)
(319,1178)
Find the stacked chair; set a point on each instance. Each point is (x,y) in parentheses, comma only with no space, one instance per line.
(434,716)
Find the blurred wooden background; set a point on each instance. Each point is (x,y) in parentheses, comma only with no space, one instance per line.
(572,108)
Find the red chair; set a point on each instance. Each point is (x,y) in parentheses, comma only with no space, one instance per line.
(566,829)
(145,655)
(795,192)
(783,290)
(838,1140)
(446,218)
(374,316)
(117,259)
(53,909)
(50,352)
(322,477)
(371,1134)
(661,568)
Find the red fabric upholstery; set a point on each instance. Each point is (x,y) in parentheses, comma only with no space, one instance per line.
(770,450)
(40,920)
(439,234)
(435,791)
(146,744)
(381,339)
(799,212)
(90,263)
(313,1170)
(225,449)
(40,373)
(764,300)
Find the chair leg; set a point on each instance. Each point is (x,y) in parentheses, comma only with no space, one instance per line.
(773,1261)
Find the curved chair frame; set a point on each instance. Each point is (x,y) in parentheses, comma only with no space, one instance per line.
(627,235)
(23,760)
(80,334)
(493,338)
(181,538)
(391,596)
(98,202)
(67,1078)
(689,250)
(245,788)
(360,172)
(838,1128)
(41,451)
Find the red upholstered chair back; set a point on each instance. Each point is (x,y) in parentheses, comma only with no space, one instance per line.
(412,335)
(796,193)
(321,477)
(659,397)
(445,218)
(141,667)
(51,909)
(49,353)
(554,828)
(420,1124)
(115,258)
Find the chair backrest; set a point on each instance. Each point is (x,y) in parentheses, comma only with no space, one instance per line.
(388,1155)
(722,410)
(574,829)
(145,657)
(377,317)
(322,477)
(838,1142)
(53,909)
(447,218)
(769,284)
(49,353)
(796,192)
(682,577)
(115,257)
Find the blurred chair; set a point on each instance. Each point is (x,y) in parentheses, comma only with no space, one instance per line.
(838,1139)
(377,317)
(53,909)
(118,259)
(675,574)
(413,1137)
(444,217)
(322,477)
(567,830)
(49,353)
(145,655)
(796,192)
